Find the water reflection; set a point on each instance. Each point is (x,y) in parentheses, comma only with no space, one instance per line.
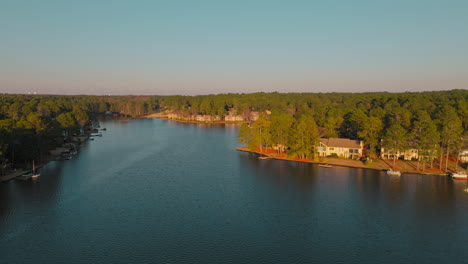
(413,195)
(291,177)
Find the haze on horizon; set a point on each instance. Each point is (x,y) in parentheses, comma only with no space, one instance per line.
(208,46)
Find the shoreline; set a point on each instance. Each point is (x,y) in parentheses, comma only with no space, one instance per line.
(21,171)
(54,154)
(162,116)
(378,165)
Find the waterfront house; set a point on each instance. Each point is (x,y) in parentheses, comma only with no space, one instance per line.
(341,147)
(411,152)
(180,116)
(233,118)
(463,156)
(407,154)
(208,118)
(173,116)
(254,115)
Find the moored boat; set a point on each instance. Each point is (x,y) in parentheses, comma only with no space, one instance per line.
(460,175)
(34,175)
(325,165)
(393,172)
(31,175)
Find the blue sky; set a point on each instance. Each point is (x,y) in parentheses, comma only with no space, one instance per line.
(203,47)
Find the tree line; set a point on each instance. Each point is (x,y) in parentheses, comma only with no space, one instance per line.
(30,125)
(435,123)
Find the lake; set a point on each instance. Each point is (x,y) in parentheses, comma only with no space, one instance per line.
(158,191)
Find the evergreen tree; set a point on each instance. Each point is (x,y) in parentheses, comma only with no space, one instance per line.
(370,132)
(280,126)
(304,137)
(395,139)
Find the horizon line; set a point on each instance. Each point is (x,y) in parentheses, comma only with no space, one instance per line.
(229,93)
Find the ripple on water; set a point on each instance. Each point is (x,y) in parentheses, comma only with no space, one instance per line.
(150,191)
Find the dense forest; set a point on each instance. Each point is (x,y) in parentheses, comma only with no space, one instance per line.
(435,123)
(31,125)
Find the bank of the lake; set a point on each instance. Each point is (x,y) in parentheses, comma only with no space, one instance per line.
(376,164)
(165,117)
(54,154)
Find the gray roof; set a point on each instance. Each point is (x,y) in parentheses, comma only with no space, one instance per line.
(340,142)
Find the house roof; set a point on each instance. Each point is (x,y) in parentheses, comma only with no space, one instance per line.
(340,142)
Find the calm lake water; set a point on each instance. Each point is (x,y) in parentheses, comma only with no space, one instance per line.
(156,191)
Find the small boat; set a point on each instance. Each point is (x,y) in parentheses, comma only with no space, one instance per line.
(31,175)
(24,177)
(325,165)
(460,175)
(264,158)
(393,172)
(34,175)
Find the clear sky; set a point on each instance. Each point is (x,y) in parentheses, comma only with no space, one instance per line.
(202,47)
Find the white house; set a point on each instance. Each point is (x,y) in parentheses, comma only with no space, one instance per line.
(411,153)
(208,118)
(464,156)
(254,115)
(408,154)
(342,147)
(233,118)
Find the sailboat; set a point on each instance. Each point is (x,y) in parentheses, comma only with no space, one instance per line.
(31,175)
(34,173)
